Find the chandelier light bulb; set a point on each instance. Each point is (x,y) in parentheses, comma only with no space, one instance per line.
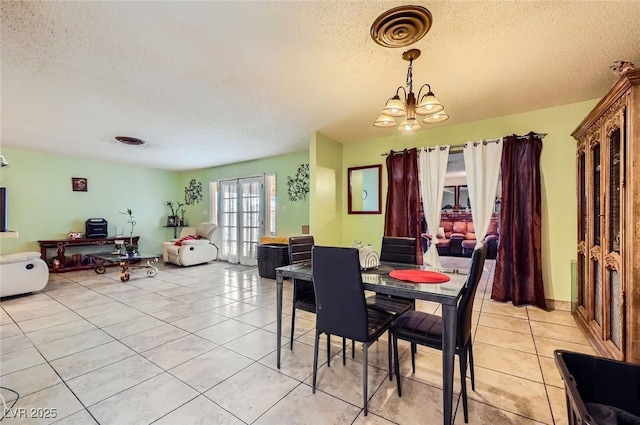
(429,105)
(394,107)
(384,121)
(435,118)
(409,125)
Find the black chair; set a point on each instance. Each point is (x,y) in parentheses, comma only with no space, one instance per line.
(422,328)
(304,296)
(342,309)
(396,250)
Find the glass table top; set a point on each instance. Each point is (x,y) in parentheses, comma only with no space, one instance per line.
(118,257)
(380,277)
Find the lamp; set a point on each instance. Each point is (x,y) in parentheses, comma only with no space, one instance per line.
(405,106)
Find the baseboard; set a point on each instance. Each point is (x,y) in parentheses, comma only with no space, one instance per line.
(558,305)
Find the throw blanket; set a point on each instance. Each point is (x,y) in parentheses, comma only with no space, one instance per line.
(186,238)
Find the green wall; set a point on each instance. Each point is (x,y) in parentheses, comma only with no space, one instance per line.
(327,200)
(290,216)
(42,205)
(558,180)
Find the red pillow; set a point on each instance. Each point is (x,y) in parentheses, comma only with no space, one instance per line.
(186,238)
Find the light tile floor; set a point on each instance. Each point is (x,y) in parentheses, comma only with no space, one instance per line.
(197,346)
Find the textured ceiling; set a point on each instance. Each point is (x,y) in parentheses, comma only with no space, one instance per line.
(210,83)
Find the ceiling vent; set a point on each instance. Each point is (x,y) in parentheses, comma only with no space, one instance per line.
(133,141)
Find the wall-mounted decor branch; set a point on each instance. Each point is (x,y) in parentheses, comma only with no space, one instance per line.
(193,192)
(298,186)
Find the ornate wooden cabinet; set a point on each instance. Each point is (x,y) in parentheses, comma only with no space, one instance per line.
(608,169)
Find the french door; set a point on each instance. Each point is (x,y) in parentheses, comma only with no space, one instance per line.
(241,218)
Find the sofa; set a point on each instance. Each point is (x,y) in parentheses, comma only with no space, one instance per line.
(458,238)
(197,248)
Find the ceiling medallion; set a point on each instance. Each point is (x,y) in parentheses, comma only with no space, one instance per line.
(133,141)
(401,26)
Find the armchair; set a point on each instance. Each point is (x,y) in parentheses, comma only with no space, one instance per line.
(203,248)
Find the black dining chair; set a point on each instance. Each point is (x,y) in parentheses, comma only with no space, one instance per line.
(422,328)
(342,309)
(304,296)
(396,250)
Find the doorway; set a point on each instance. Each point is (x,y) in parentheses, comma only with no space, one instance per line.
(241,212)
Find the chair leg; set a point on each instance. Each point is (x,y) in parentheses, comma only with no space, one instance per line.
(353,349)
(473,378)
(413,357)
(463,383)
(365,367)
(315,360)
(390,355)
(293,326)
(328,350)
(344,349)
(397,364)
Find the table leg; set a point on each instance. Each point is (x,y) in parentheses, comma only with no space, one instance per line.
(99,268)
(449,318)
(154,270)
(124,270)
(279,285)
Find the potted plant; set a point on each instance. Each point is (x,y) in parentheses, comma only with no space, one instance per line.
(130,248)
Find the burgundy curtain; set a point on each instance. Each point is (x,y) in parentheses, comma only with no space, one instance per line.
(402,217)
(518,276)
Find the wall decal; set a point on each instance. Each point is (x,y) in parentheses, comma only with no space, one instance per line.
(193,192)
(298,186)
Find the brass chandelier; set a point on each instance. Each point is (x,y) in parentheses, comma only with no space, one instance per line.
(405,107)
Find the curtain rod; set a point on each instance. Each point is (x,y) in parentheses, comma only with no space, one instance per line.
(460,147)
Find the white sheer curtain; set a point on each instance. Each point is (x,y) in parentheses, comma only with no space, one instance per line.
(432,167)
(482,163)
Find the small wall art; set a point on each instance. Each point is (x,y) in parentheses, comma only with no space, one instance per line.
(79,184)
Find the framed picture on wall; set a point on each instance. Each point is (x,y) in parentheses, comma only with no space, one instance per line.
(172,221)
(79,184)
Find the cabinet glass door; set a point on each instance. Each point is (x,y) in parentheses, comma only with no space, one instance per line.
(596,234)
(582,271)
(613,299)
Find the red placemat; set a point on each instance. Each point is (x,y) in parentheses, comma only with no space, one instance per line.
(419,276)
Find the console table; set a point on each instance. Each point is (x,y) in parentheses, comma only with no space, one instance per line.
(78,261)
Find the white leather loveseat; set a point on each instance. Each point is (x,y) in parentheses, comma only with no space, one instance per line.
(202,249)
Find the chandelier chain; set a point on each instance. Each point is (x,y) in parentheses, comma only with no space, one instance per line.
(410,76)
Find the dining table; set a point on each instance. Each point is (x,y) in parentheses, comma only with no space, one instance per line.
(378,280)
